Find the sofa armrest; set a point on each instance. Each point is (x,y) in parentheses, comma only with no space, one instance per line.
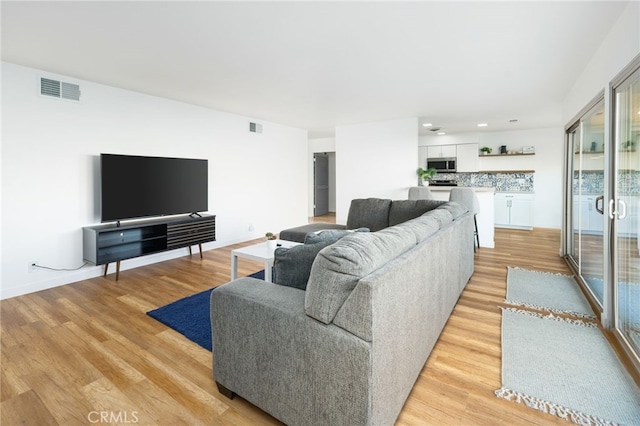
(268,351)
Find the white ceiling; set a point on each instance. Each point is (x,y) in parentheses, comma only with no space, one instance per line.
(317,65)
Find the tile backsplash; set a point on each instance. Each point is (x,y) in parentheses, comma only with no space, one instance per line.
(593,182)
(502,182)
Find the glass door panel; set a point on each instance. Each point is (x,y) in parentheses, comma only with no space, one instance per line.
(591,201)
(625,210)
(587,190)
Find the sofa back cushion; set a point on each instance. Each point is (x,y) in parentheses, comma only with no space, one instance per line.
(338,267)
(443,216)
(456,209)
(404,210)
(423,227)
(292,266)
(330,235)
(372,213)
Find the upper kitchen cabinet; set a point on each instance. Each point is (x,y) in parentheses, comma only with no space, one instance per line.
(467,157)
(422,156)
(441,151)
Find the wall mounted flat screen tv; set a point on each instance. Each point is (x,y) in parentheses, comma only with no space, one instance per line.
(137,186)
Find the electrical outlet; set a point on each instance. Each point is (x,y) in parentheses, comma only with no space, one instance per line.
(31,266)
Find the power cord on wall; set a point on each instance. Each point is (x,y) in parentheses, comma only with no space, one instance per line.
(35,265)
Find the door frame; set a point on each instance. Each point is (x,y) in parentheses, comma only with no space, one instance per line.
(611,262)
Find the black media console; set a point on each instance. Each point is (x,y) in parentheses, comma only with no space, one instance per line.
(104,244)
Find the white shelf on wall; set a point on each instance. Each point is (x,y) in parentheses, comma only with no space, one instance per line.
(505,155)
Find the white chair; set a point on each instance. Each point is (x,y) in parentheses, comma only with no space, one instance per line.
(468,198)
(420,193)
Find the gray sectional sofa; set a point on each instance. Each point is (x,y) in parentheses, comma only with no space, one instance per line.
(348,349)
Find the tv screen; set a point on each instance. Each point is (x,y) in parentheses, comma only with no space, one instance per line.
(137,186)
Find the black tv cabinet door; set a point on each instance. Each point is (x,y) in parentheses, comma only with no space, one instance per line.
(191,232)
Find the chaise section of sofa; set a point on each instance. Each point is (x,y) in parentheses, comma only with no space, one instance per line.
(348,349)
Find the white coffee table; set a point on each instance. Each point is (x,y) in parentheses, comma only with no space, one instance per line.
(260,252)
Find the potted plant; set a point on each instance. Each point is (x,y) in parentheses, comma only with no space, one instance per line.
(426,175)
(271,240)
(485,150)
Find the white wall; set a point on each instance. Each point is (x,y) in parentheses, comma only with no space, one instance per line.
(375,160)
(620,46)
(50,170)
(547,164)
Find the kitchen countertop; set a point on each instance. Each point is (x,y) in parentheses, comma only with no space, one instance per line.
(476,189)
(449,188)
(495,172)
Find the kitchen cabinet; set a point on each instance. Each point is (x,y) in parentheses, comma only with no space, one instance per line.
(628,226)
(422,157)
(467,157)
(441,151)
(466,154)
(585,216)
(513,210)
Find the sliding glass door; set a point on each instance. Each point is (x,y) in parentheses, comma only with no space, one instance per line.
(601,239)
(624,210)
(586,198)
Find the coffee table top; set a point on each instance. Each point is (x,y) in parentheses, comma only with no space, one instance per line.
(261,252)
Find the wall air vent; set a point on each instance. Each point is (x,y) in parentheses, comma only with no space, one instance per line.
(59,89)
(255,127)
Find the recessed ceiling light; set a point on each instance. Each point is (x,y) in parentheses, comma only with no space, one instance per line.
(482,124)
(427,124)
(441,133)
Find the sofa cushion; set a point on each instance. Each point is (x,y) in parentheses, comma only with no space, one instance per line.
(456,209)
(404,210)
(298,233)
(338,268)
(372,213)
(291,266)
(422,227)
(441,215)
(330,235)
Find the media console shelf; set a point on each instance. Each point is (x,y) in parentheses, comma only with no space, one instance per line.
(104,244)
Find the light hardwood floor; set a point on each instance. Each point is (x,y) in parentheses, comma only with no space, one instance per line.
(77,352)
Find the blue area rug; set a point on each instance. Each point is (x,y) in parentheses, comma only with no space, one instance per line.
(191,316)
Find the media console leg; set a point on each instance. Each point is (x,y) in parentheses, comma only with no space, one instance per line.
(106,269)
(190,253)
(200,247)
(117,270)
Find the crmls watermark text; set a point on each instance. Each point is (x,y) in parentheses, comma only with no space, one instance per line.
(118,417)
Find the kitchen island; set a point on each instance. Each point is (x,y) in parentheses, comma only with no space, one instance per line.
(485,217)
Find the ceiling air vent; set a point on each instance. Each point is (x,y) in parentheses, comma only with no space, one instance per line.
(255,127)
(59,89)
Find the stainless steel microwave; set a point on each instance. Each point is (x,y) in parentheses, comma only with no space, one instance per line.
(442,165)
